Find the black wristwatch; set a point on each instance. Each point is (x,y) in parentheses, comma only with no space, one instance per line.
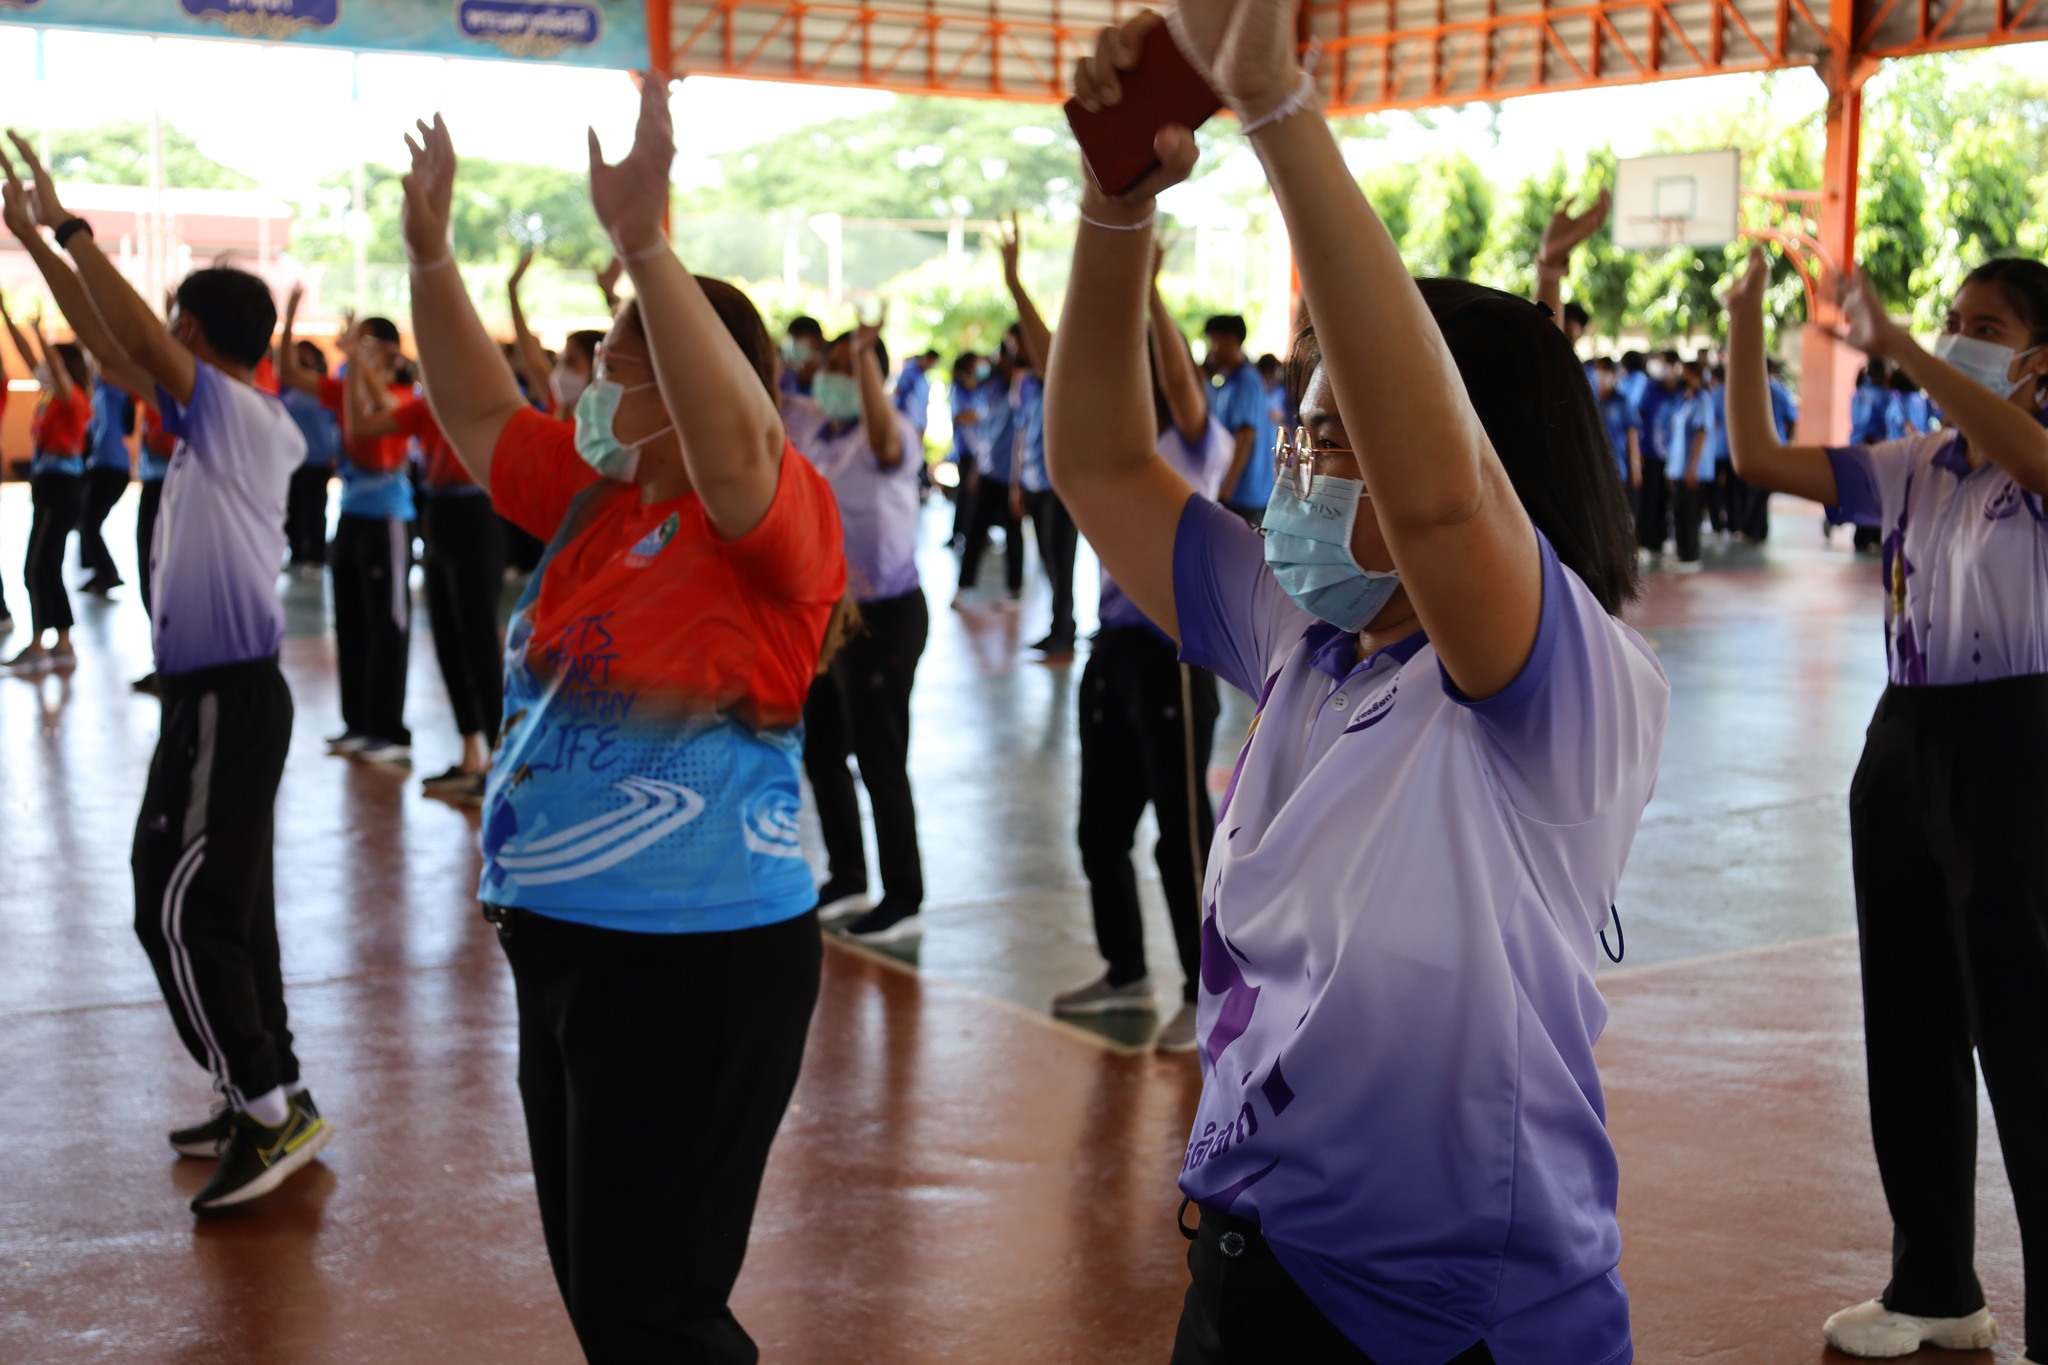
(71,228)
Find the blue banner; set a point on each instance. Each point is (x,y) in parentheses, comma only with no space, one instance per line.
(582,32)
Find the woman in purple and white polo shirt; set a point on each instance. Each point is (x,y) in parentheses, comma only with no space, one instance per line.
(859,708)
(1948,815)
(1400,1153)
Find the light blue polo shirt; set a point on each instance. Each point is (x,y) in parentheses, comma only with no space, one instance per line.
(914,396)
(1031,435)
(994,437)
(1240,403)
(107,438)
(1399,929)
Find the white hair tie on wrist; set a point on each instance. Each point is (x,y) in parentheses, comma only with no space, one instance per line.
(445,258)
(1304,95)
(1138,226)
(646,253)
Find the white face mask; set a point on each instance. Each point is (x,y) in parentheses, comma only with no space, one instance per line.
(567,386)
(1987,362)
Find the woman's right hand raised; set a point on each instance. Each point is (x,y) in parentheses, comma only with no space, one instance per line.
(429,191)
(631,198)
(1245,48)
(1098,85)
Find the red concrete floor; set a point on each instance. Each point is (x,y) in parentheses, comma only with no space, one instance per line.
(960,1178)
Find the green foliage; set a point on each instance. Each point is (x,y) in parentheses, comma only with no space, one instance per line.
(1509,260)
(1390,189)
(1454,219)
(1603,275)
(1982,204)
(500,207)
(119,154)
(1892,237)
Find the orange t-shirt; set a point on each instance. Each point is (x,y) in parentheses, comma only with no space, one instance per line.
(375,455)
(60,424)
(442,467)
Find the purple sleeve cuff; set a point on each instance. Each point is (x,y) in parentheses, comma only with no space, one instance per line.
(1216,561)
(1536,668)
(1857,499)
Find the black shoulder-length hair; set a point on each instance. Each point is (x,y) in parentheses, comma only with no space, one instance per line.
(1531,394)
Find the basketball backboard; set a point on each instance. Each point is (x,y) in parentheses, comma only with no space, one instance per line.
(1684,200)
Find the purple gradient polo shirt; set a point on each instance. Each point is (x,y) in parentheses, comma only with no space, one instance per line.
(1398,1012)
(1965,559)
(877,506)
(1203,466)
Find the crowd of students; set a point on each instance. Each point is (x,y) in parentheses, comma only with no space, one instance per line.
(1410,544)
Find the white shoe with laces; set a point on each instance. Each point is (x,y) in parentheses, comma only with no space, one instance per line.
(1874,1332)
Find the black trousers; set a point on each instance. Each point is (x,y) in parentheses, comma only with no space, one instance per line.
(465,572)
(654,1070)
(1719,503)
(1653,507)
(1687,506)
(205,907)
(1147,724)
(522,548)
(860,707)
(103,488)
(148,501)
(992,509)
(58,499)
(372,624)
(305,513)
(1242,1307)
(1948,823)
(1749,508)
(1058,541)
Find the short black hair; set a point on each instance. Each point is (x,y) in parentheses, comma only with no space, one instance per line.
(311,356)
(233,311)
(1604,364)
(1523,379)
(1576,312)
(584,342)
(1773,365)
(379,329)
(804,325)
(1672,357)
(966,360)
(2025,286)
(1718,372)
(881,349)
(1635,362)
(931,355)
(1226,325)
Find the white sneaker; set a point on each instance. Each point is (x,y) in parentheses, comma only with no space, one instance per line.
(1687,566)
(1873,1331)
(31,661)
(384,751)
(1178,1033)
(1099,997)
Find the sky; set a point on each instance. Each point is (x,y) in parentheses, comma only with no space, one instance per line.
(292,120)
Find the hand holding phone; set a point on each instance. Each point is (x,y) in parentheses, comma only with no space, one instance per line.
(1160,90)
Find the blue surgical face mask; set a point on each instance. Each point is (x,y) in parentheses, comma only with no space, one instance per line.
(596,410)
(1308,547)
(838,397)
(1987,362)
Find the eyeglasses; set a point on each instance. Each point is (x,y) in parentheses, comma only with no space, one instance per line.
(1295,459)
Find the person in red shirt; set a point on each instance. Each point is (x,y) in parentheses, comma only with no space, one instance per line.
(57,485)
(641,858)
(465,575)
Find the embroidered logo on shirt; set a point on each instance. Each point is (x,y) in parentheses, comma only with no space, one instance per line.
(1377,712)
(653,543)
(653,811)
(2006,504)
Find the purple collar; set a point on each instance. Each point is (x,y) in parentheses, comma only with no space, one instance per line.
(1335,651)
(1954,456)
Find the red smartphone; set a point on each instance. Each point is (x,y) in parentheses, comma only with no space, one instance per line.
(1162,89)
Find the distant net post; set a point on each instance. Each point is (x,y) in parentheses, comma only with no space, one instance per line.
(1685,200)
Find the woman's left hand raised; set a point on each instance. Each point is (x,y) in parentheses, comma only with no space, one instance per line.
(632,197)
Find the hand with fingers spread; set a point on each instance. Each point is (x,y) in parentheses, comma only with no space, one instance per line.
(631,197)
(1870,328)
(429,193)
(43,190)
(1098,84)
(1567,231)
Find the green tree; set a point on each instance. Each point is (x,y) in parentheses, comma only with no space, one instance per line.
(1390,189)
(500,207)
(1455,218)
(1602,273)
(1892,239)
(1982,204)
(119,154)
(1509,261)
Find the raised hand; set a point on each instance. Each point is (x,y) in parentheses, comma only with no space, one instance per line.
(1567,231)
(631,197)
(1098,84)
(429,191)
(43,197)
(1747,291)
(1245,48)
(866,334)
(1867,326)
(608,280)
(519,270)
(1011,243)
(20,218)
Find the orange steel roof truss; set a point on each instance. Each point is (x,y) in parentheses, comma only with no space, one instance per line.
(1377,54)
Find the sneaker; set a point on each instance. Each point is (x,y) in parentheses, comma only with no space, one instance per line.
(470,793)
(259,1158)
(455,778)
(1009,602)
(347,742)
(205,1140)
(147,683)
(31,661)
(1178,1033)
(63,656)
(1687,566)
(840,900)
(886,923)
(383,751)
(1055,646)
(104,583)
(1873,1331)
(1099,997)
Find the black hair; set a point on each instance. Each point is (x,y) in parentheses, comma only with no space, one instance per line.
(379,329)
(931,355)
(73,357)
(1903,383)
(806,326)
(1604,364)
(742,321)
(1671,357)
(403,373)
(881,349)
(966,360)
(1270,367)
(585,343)
(311,356)
(233,311)
(1576,312)
(1226,325)
(1524,381)
(1773,365)
(1635,362)
(2024,284)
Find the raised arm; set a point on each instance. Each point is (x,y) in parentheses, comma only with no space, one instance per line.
(53,364)
(533,359)
(22,348)
(730,429)
(1037,336)
(884,434)
(371,413)
(1563,235)
(1753,445)
(115,364)
(469,387)
(1187,398)
(129,323)
(608,283)
(290,372)
(2003,432)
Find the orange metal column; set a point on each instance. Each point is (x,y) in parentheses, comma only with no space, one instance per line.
(1827,366)
(661,48)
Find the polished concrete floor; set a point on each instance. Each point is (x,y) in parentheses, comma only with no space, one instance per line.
(960,1178)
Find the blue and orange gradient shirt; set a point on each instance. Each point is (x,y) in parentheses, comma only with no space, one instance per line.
(646,778)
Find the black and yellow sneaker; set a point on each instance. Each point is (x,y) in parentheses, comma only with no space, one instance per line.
(259,1158)
(205,1140)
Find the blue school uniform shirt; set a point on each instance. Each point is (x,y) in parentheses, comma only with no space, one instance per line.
(1784,411)
(113,412)
(1685,417)
(1031,435)
(914,396)
(1619,416)
(321,428)
(1717,432)
(1867,409)
(995,441)
(1239,403)
(1908,414)
(1651,400)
